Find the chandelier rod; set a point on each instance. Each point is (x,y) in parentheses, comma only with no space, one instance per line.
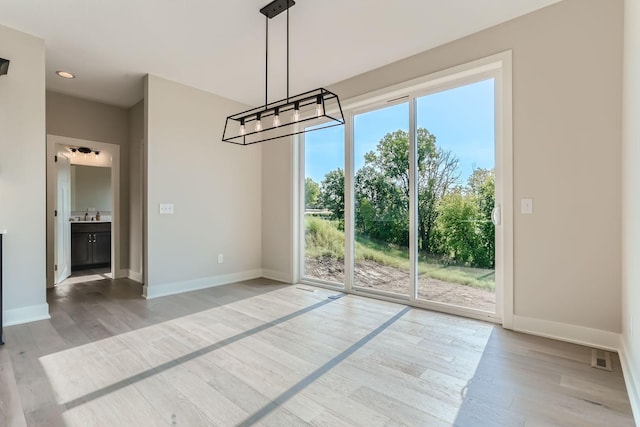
(288,54)
(266,62)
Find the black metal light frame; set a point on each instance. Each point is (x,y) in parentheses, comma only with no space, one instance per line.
(4,66)
(294,110)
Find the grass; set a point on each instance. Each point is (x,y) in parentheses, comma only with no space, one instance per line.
(324,239)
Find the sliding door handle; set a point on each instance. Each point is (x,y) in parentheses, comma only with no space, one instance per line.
(496,215)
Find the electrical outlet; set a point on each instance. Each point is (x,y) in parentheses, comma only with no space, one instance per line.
(220,258)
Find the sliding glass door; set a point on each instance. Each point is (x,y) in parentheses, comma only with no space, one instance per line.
(403,202)
(456,196)
(381,200)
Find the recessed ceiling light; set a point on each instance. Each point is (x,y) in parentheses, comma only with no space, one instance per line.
(65,75)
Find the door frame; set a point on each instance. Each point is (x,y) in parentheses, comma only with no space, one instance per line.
(52,142)
(499,67)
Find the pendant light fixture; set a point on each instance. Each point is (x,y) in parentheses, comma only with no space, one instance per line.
(4,66)
(308,111)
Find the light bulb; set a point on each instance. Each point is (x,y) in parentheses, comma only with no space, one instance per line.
(85,155)
(97,154)
(73,152)
(276,118)
(296,112)
(258,123)
(319,109)
(243,130)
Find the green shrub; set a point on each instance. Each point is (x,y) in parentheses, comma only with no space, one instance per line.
(323,238)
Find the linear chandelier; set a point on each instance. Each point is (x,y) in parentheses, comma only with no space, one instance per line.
(308,111)
(4,66)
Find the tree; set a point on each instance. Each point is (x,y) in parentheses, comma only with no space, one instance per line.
(465,232)
(383,183)
(311,194)
(482,185)
(381,207)
(437,173)
(332,193)
(458,235)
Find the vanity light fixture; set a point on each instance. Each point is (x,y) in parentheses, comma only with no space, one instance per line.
(83,150)
(317,109)
(65,74)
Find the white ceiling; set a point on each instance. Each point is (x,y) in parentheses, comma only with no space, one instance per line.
(218,46)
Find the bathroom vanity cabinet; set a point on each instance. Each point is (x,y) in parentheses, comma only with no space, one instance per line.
(90,244)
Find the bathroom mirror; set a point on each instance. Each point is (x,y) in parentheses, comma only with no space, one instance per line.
(91,189)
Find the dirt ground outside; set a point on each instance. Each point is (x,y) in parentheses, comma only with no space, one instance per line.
(371,275)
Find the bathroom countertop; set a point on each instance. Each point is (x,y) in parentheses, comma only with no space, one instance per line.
(89,222)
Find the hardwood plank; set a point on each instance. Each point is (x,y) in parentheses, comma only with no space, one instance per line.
(11,413)
(386,404)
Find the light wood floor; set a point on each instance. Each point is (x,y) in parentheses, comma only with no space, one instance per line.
(87,275)
(260,353)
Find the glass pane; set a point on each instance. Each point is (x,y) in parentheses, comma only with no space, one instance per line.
(456,195)
(324,205)
(381,148)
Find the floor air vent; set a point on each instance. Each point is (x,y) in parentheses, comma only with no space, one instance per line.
(601,359)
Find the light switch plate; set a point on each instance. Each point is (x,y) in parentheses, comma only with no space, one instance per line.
(526,206)
(166,208)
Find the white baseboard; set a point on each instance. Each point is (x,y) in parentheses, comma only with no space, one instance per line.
(278,276)
(136,276)
(589,337)
(164,289)
(631,378)
(16,316)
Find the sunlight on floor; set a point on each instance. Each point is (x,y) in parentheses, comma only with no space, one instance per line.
(90,275)
(292,352)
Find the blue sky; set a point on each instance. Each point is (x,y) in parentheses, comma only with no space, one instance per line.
(462,119)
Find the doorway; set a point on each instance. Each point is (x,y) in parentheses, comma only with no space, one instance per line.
(82,210)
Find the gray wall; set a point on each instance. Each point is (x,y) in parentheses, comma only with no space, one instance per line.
(22,176)
(631,203)
(214,186)
(136,171)
(277,210)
